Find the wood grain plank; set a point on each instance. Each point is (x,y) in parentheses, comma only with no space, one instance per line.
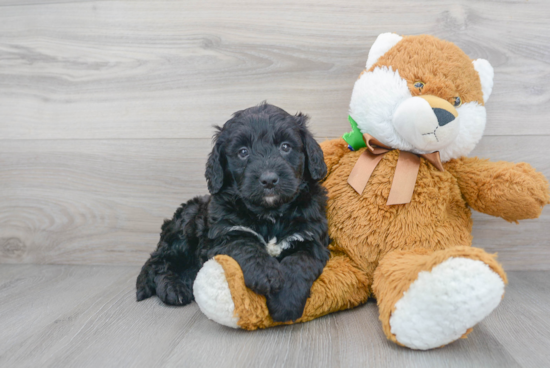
(37,298)
(102,202)
(513,323)
(40,2)
(68,316)
(362,343)
(89,202)
(96,325)
(141,69)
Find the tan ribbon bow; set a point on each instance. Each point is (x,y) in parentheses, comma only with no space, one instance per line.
(405,175)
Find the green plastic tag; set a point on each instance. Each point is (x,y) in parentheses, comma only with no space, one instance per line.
(354,138)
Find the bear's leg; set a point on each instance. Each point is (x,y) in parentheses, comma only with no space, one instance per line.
(222,296)
(428,299)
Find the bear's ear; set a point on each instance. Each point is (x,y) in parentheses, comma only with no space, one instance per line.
(384,42)
(486,74)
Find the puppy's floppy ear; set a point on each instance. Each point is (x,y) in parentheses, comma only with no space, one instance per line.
(214,169)
(314,154)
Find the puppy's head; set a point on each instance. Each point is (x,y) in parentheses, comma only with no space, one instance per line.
(264,155)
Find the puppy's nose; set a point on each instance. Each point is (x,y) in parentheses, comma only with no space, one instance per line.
(269,179)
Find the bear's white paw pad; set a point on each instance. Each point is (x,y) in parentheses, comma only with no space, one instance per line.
(213,296)
(441,305)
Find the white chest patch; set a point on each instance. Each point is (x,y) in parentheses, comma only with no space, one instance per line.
(273,247)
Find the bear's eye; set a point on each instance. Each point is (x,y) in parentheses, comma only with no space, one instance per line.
(457,101)
(243,153)
(418,85)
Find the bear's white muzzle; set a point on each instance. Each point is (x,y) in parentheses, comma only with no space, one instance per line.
(427,122)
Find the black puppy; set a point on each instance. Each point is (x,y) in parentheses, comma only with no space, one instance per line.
(266,211)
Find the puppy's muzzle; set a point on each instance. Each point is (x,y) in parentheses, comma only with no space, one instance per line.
(427,122)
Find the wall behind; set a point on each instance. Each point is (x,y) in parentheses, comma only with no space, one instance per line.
(107,107)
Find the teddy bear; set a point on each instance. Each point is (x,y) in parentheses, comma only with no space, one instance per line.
(401,189)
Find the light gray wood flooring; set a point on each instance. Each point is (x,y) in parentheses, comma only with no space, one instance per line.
(86,316)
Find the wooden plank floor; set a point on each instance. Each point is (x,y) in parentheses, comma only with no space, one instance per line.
(86,316)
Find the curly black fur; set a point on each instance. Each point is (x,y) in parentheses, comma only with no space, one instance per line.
(263,175)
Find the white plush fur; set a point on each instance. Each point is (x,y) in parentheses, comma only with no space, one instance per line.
(375,97)
(384,42)
(213,296)
(415,120)
(441,305)
(472,124)
(378,94)
(486,75)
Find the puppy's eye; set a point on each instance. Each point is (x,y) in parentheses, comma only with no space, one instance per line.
(243,152)
(418,85)
(457,101)
(285,147)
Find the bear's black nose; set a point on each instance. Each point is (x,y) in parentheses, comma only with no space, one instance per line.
(269,179)
(443,116)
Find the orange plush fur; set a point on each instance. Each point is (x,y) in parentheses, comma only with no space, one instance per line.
(379,250)
(444,69)
(364,229)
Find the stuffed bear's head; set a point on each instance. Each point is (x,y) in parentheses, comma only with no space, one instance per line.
(422,94)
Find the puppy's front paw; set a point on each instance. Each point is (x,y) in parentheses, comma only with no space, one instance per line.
(286,305)
(274,277)
(172,291)
(264,279)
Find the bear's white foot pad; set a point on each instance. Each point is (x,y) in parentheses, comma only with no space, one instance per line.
(213,296)
(442,304)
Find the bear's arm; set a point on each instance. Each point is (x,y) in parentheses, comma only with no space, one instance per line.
(504,189)
(333,151)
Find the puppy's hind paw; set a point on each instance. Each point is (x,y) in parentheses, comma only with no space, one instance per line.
(173,291)
(144,286)
(143,293)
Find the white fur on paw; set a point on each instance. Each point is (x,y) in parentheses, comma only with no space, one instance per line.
(213,296)
(442,304)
